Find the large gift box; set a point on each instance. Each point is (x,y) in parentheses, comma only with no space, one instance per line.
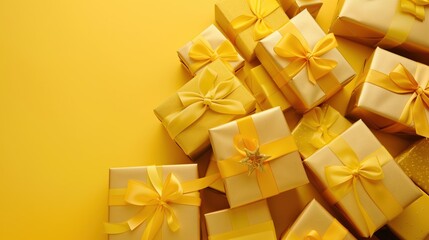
(400,25)
(245,22)
(293,7)
(251,222)
(392,94)
(357,174)
(304,62)
(208,46)
(213,97)
(257,157)
(316,223)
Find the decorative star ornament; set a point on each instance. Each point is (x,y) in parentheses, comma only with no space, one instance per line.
(254,160)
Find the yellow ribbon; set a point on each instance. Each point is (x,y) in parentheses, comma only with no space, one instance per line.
(209,96)
(335,231)
(300,55)
(202,53)
(259,231)
(415,8)
(260,9)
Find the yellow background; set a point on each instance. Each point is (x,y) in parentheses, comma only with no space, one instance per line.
(78,82)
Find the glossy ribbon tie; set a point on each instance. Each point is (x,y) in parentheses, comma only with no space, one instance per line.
(300,55)
(260,9)
(415,7)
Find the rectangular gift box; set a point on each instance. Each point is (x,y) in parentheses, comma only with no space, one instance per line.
(252,221)
(208,46)
(262,138)
(304,62)
(211,98)
(316,222)
(239,20)
(383,104)
(293,7)
(357,174)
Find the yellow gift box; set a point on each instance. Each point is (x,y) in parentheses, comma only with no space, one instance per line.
(250,222)
(213,97)
(208,46)
(316,223)
(357,174)
(245,22)
(264,89)
(304,62)
(392,94)
(257,157)
(400,25)
(293,7)
(318,127)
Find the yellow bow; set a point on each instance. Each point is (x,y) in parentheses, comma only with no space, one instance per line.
(249,148)
(415,7)
(300,55)
(202,53)
(260,10)
(210,96)
(320,120)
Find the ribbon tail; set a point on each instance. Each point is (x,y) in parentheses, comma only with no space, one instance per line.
(154,224)
(369,224)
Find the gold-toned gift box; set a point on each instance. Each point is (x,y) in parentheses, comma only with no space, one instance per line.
(208,46)
(293,7)
(304,62)
(247,21)
(357,174)
(257,157)
(211,98)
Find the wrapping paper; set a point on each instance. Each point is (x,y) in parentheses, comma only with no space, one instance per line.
(293,7)
(226,11)
(215,39)
(380,190)
(281,172)
(299,90)
(252,221)
(194,139)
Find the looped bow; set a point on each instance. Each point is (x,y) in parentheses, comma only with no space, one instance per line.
(415,7)
(300,55)
(321,120)
(260,10)
(249,148)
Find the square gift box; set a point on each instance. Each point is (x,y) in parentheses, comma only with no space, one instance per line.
(257,157)
(357,175)
(392,94)
(211,98)
(252,221)
(208,46)
(293,7)
(245,22)
(304,62)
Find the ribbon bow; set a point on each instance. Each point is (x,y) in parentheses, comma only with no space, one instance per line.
(415,7)
(260,10)
(300,55)
(202,53)
(321,120)
(249,148)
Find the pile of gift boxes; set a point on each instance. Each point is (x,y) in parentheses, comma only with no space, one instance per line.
(361,187)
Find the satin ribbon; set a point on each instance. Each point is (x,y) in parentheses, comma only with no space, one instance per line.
(209,96)
(335,231)
(260,9)
(343,179)
(401,81)
(259,231)
(202,53)
(155,197)
(415,8)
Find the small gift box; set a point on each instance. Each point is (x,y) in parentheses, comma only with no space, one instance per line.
(293,7)
(213,97)
(357,174)
(316,223)
(393,94)
(304,62)
(252,221)
(210,45)
(257,157)
(245,22)
(264,89)
(400,25)
(317,128)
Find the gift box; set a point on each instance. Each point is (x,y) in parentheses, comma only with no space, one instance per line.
(316,223)
(357,175)
(213,97)
(293,7)
(252,221)
(400,25)
(245,22)
(210,45)
(318,127)
(264,89)
(304,62)
(392,94)
(257,160)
